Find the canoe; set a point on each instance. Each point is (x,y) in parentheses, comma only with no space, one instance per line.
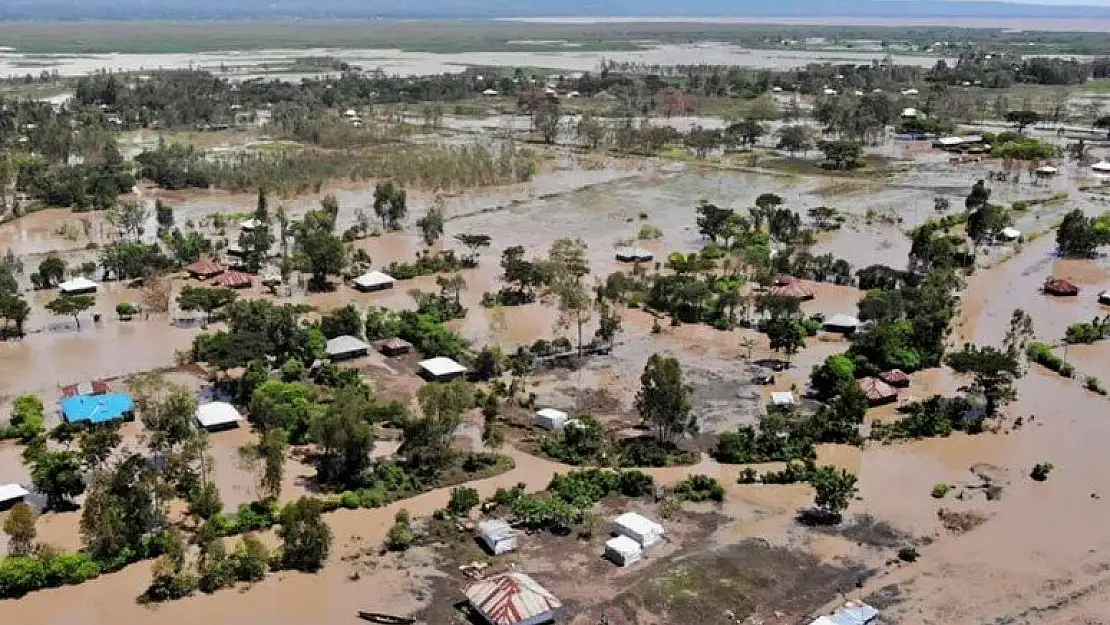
(385,619)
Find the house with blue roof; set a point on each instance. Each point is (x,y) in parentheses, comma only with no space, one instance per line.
(98,408)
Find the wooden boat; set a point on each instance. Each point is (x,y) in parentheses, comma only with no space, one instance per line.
(385,619)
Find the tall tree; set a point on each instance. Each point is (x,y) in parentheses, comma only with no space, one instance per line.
(390,204)
(568,265)
(994,372)
(207,299)
(321,253)
(345,438)
(71,305)
(431,224)
(129,218)
(58,475)
(664,400)
(835,489)
(427,439)
(20,528)
(266,459)
(256,242)
(52,270)
(121,507)
(13,310)
(306,537)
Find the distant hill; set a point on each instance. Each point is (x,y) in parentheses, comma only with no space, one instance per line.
(66,10)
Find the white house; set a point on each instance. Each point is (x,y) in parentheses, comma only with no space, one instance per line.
(1102,167)
(498,536)
(441,368)
(1046,170)
(218,415)
(373,281)
(910,113)
(250,224)
(551,419)
(782,399)
(639,528)
(489,92)
(78,286)
(623,551)
(344,347)
(1009,234)
(11,494)
(634,254)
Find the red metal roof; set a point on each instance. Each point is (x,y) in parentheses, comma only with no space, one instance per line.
(1058,286)
(96,387)
(794,290)
(894,377)
(233,279)
(205,268)
(510,598)
(877,390)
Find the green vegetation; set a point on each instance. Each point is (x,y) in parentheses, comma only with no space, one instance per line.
(940,490)
(1041,354)
(699,488)
(1088,332)
(1080,236)
(1041,470)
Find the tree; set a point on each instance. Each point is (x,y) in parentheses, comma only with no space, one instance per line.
(702,140)
(306,537)
(1019,333)
(427,439)
(431,224)
(128,218)
(473,242)
(1080,236)
(794,139)
(13,309)
(28,418)
(345,438)
(203,298)
(568,264)
(1023,118)
(452,287)
(712,221)
(834,488)
(345,321)
(546,118)
(322,254)
(163,215)
(608,322)
(121,508)
(787,335)
(71,305)
(97,443)
(987,221)
(995,372)
(463,500)
(52,270)
(979,196)
(1104,123)
(842,155)
(20,528)
(390,204)
(664,400)
(591,131)
(251,559)
(58,475)
(256,242)
(267,459)
(829,378)
(746,133)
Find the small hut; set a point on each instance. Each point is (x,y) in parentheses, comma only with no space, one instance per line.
(623,551)
(1101,167)
(634,255)
(233,280)
(204,269)
(877,391)
(551,419)
(639,528)
(1009,234)
(844,324)
(896,378)
(498,536)
(1104,298)
(78,286)
(1060,287)
(440,369)
(373,281)
(394,347)
(782,399)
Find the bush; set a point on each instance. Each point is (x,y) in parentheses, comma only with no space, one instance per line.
(400,536)
(1095,385)
(635,484)
(748,476)
(1040,471)
(908,554)
(1041,354)
(250,560)
(463,500)
(700,488)
(940,490)
(649,232)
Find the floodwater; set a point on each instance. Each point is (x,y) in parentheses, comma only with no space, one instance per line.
(391,61)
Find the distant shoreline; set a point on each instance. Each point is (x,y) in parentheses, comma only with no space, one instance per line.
(1016,24)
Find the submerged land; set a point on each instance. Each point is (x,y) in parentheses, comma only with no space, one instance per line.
(776,180)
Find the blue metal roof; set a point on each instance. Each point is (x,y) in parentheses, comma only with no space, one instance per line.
(96,408)
(856,615)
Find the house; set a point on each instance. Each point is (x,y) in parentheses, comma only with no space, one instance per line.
(218,415)
(204,269)
(1060,287)
(1104,298)
(639,528)
(250,224)
(512,599)
(498,536)
(634,255)
(394,347)
(11,494)
(910,113)
(829,92)
(95,387)
(373,281)
(896,378)
(489,92)
(1009,234)
(1046,170)
(877,391)
(347,347)
(844,324)
(233,280)
(852,613)
(623,551)
(440,368)
(551,419)
(793,289)
(97,408)
(1101,167)
(78,286)
(910,91)
(782,399)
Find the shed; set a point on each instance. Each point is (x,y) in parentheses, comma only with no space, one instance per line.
(1009,234)
(1060,287)
(845,324)
(489,92)
(78,286)
(623,551)
(346,347)
(1104,298)
(233,280)
(394,347)
(909,113)
(1046,170)
(551,419)
(218,415)
(634,254)
(512,599)
(877,391)
(853,613)
(639,528)
(250,224)
(373,281)
(1102,167)
(828,91)
(95,387)
(498,536)
(11,494)
(896,378)
(204,269)
(97,408)
(441,368)
(782,399)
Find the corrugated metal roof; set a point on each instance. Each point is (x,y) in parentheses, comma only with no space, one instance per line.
(11,492)
(233,280)
(854,615)
(204,268)
(341,345)
(511,598)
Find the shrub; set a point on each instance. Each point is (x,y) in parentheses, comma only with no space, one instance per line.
(648,232)
(1041,354)
(940,490)
(748,476)
(250,560)
(400,536)
(635,484)
(463,499)
(700,488)
(1095,385)
(1040,471)
(908,554)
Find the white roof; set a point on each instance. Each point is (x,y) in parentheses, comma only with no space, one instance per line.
(842,321)
(489,92)
(1046,169)
(496,529)
(345,345)
(910,91)
(441,366)
(634,253)
(78,284)
(551,413)
(830,91)
(217,413)
(250,224)
(1011,233)
(909,112)
(351,113)
(1101,166)
(782,398)
(638,524)
(776,89)
(624,545)
(11,492)
(373,278)
(511,598)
